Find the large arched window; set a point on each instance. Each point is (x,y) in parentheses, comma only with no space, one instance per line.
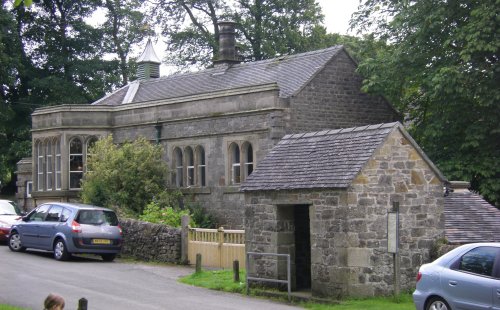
(75,163)
(58,164)
(200,166)
(235,162)
(39,164)
(178,167)
(188,152)
(241,161)
(88,151)
(49,165)
(247,152)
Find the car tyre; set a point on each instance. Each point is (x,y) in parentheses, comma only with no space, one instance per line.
(60,250)
(15,243)
(108,257)
(437,303)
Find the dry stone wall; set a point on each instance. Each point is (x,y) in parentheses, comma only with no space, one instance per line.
(151,242)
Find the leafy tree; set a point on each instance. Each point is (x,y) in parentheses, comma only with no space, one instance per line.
(269,28)
(440,68)
(170,216)
(127,177)
(124,27)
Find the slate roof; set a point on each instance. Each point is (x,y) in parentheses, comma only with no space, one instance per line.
(325,159)
(290,73)
(469,218)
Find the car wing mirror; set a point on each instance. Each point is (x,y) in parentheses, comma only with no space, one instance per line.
(25,219)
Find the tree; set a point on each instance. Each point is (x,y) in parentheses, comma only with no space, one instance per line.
(269,28)
(440,68)
(127,177)
(124,27)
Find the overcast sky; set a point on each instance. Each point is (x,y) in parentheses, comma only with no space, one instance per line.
(337,14)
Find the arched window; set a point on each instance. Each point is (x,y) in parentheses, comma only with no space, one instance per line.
(200,166)
(178,167)
(39,164)
(88,151)
(58,164)
(49,166)
(248,158)
(188,152)
(234,151)
(75,163)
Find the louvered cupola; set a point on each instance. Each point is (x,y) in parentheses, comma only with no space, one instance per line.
(148,64)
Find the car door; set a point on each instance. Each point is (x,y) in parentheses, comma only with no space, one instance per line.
(29,228)
(49,227)
(468,283)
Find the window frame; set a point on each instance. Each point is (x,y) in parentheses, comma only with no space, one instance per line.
(70,159)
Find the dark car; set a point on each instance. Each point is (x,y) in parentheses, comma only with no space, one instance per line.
(467,277)
(68,228)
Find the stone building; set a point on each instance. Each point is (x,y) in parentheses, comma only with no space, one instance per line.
(324,198)
(215,125)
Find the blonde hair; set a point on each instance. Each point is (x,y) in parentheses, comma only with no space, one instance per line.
(53,301)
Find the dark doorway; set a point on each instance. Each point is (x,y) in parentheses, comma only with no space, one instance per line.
(302,247)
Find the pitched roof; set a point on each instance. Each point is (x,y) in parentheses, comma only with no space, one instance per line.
(325,159)
(291,73)
(469,218)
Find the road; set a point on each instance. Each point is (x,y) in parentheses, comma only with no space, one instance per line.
(27,278)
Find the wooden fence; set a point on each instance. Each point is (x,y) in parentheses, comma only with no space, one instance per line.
(218,247)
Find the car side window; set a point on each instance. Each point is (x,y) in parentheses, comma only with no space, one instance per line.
(479,261)
(40,213)
(65,215)
(54,214)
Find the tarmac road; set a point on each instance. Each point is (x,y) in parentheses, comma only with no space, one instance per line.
(27,278)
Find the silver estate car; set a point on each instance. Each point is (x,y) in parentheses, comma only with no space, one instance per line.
(68,228)
(467,277)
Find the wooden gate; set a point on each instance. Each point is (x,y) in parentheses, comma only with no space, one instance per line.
(218,247)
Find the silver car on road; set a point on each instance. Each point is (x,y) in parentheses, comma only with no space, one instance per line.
(68,228)
(467,278)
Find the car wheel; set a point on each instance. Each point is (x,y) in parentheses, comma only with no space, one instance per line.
(60,251)
(108,257)
(15,243)
(437,303)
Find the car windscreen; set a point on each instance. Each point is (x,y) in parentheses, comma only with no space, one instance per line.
(9,208)
(97,217)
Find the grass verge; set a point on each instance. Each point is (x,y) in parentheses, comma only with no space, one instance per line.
(222,280)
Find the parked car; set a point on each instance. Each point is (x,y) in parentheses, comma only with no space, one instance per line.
(9,214)
(68,228)
(467,277)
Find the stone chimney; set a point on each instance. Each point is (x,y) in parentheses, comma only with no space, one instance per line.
(458,186)
(148,64)
(227,44)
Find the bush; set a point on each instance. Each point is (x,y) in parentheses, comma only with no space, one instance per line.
(201,217)
(154,213)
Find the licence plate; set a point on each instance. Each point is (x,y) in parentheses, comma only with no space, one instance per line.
(101,241)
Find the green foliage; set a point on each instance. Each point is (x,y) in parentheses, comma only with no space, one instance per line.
(153,213)
(221,280)
(127,177)
(440,68)
(200,217)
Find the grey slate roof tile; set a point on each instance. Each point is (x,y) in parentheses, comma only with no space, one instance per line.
(469,218)
(325,159)
(291,73)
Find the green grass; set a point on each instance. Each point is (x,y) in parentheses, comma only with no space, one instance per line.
(222,280)
(7,307)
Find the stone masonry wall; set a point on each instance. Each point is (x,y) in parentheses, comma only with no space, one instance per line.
(396,172)
(333,99)
(151,242)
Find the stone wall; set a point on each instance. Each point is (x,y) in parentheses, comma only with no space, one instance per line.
(333,99)
(151,242)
